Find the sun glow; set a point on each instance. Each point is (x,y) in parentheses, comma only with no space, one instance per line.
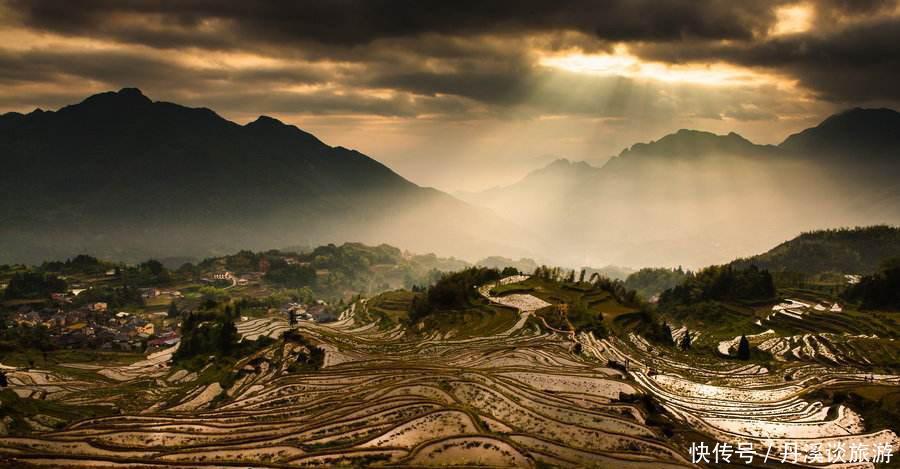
(621,63)
(793,19)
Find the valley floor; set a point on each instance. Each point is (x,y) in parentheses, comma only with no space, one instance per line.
(527,396)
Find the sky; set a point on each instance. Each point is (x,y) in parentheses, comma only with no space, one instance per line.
(466,95)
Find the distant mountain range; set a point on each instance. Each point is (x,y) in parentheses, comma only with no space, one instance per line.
(695,198)
(124,177)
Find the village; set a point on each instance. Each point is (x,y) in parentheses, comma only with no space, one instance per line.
(85,303)
(65,323)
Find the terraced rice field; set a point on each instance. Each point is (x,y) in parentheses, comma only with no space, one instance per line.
(748,403)
(518,397)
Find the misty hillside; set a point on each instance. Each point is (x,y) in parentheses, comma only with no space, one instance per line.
(853,251)
(687,144)
(125,177)
(695,198)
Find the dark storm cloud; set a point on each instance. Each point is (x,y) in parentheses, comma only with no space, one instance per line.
(501,78)
(478,52)
(163,23)
(137,69)
(859,62)
(832,9)
(106,66)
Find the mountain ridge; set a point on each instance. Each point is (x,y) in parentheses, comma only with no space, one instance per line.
(678,139)
(695,198)
(118,171)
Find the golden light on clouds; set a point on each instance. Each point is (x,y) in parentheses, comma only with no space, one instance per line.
(621,63)
(793,19)
(566,79)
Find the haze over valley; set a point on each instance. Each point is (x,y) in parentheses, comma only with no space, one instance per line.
(130,178)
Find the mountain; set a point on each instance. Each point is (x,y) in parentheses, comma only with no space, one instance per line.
(695,198)
(850,251)
(122,176)
(692,144)
(858,135)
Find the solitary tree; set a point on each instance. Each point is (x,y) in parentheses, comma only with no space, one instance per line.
(686,340)
(173,310)
(667,333)
(292,318)
(227,336)
(743,351)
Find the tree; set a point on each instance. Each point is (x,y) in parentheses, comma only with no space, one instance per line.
(880,290)
(173,310)
(453,291)
(33,285)
(153,266)
(291,275)
(686,340)
(154,272)
(228,336)
(743,351)
(720,283)
(667,333)
(654,330)
(292,318)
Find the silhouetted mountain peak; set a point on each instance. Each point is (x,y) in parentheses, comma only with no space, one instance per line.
(131,96)
(132,93)
(690,137)
(564,164)
(271,127)
(861,118)
(852,135)
(687,143)
(561,168)
(110,103)
(266,122)
(156,177)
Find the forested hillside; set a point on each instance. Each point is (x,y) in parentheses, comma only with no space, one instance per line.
(859,250)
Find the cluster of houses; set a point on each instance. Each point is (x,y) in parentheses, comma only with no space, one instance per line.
(94,326)
(318,311)
(226,276)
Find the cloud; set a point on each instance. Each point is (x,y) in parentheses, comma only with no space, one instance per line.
(414,68)
(854,64)
(484,50)
(200,23)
